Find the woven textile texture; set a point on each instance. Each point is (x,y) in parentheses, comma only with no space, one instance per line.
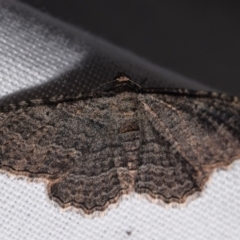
(41,57)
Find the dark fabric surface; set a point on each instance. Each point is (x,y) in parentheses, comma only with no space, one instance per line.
(199,39)
(41,56)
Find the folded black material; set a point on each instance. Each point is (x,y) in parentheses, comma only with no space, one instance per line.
(41,57)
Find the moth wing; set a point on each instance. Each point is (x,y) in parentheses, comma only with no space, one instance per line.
(185,137)
(73,145)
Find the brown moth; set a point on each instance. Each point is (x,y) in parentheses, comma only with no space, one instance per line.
(93,148)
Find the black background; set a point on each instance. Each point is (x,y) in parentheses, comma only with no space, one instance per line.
(198,39)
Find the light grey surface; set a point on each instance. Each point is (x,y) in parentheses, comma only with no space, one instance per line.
(26,213)
(30,59)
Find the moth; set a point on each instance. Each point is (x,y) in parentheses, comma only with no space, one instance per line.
(92,148)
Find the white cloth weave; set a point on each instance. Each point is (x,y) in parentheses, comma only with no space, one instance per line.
(25,209)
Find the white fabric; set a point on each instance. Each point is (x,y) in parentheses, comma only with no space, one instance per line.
(26,213)
(25,209)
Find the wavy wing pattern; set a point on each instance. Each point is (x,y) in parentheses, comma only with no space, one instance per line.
(94,149)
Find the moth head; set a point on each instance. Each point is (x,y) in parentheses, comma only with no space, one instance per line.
(120,83)
(124,81)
